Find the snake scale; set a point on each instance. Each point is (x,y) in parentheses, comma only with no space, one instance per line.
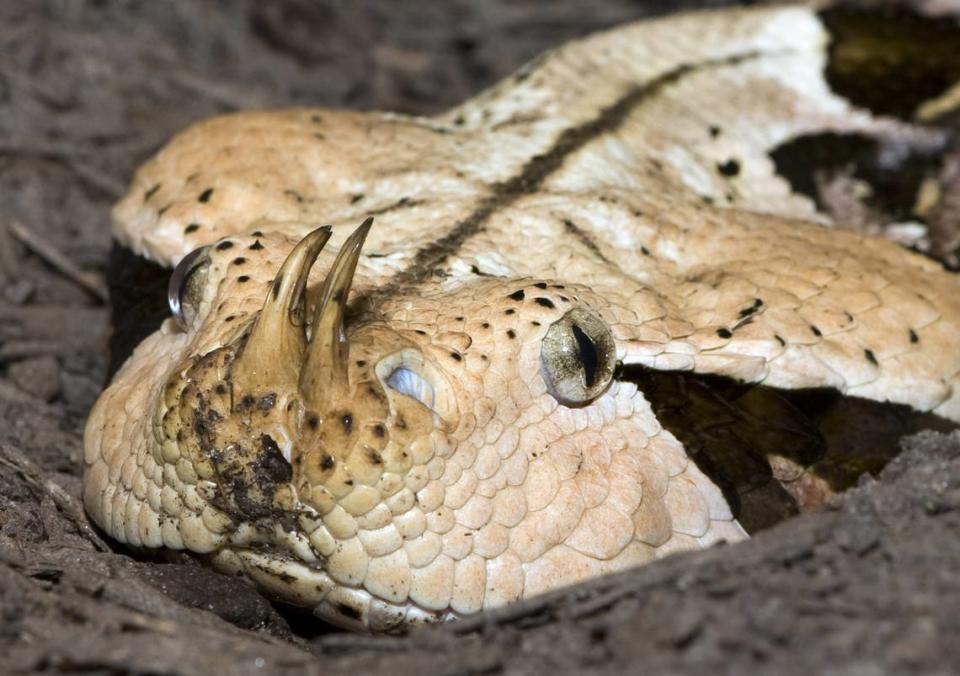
(392,387)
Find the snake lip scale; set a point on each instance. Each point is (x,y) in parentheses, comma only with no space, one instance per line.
(395,386)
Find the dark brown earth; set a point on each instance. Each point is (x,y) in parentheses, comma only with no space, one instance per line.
(89,89)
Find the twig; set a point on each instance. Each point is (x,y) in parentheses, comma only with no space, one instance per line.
(10,393)
(97,178)
(69,505)
(21,349)
(354,643)
(74,157)
(215,91)
(58,260)
(31,84)
(9,266)
(44,149)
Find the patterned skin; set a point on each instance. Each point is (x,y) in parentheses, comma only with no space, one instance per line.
(419,420)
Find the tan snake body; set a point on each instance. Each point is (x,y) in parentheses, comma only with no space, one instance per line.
(423,419)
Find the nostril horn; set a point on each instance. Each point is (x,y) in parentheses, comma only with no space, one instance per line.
(272,355)
(323,378)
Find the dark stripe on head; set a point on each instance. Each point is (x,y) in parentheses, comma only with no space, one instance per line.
(540,167)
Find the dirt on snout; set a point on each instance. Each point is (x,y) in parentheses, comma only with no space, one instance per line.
(90,88)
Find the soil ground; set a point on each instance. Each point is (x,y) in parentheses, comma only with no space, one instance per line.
(88,90)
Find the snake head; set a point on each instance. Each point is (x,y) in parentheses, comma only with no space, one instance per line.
(411,456)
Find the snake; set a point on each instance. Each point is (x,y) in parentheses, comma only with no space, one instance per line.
(394,386)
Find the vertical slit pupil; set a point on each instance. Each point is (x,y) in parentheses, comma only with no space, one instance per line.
(589,358)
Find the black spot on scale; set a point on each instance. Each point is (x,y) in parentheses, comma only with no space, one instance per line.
(374,457)
(517,295)
(239,260)
(205,196)
(313,421)
(914,338)
(347,422)
(545,302)
(379,431)
(747,311)
(327,462)
(725,333)
(223,246)
(151,192)
(511,334)
(509,311)
(541,285)
(256,246)
(455,356)
(644,250)
(780,339)
(714,131)
(871,357)
(815,330)
(257,233)
(220,388)
(243,279)
(192,227)
(361,363)
(730,168)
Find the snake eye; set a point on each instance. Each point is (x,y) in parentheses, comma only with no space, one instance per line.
(578,357)
(185,289)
